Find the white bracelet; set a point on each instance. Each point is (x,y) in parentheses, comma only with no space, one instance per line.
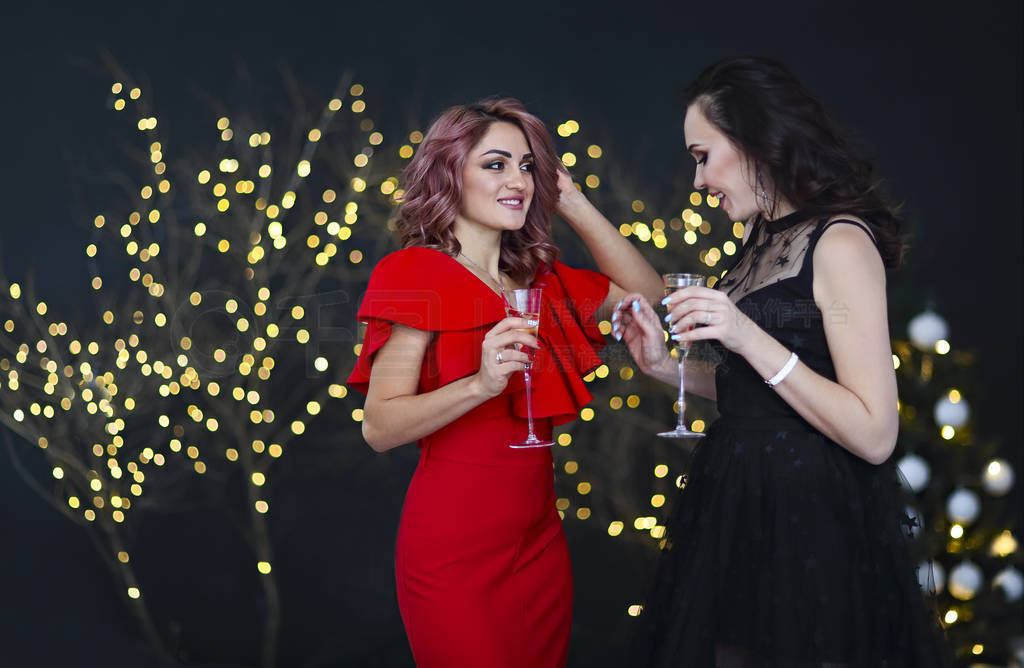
(784,371)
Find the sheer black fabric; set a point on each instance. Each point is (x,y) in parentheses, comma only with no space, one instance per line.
(783,548)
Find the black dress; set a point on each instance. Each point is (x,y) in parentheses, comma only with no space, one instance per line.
(784,549)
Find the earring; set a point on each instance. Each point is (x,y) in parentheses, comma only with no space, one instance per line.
(764,193)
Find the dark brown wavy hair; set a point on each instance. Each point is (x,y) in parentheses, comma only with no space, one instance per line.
(786,134)
(433,186)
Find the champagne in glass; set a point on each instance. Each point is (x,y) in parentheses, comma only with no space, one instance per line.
(525,304)
(674,282)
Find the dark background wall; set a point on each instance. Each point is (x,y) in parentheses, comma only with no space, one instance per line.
(933,89)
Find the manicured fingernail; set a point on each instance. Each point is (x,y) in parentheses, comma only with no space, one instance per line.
(617,335)
(664,301)
(674,329)
(619,305)
(615,317)
(636,306)
(677,337)
(668,317)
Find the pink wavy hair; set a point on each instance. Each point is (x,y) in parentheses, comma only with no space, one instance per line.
(433,186)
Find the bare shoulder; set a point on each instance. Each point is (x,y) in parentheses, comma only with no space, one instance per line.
(847,265)
(847,240)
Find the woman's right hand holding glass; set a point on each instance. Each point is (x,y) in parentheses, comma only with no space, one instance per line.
(499,358)
(635,322)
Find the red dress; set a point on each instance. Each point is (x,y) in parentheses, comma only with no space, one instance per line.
(481,565)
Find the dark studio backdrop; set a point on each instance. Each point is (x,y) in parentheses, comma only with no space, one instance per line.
(933,91)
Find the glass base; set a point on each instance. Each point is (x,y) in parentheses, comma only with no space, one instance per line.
(681,433)
(532,443)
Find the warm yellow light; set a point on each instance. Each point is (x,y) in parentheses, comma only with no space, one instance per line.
(263,567)
(133,592)
(947,432)
(615,528)
(635,610)
(951,616)
(564,439)
(956,531)
(942,346)
(1004,544)
(660,471)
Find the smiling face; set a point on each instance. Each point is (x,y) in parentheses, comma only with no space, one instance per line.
(722,169)
(497,181)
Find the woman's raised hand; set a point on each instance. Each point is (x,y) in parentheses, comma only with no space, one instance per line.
(498,357)
(699,313)
(570,198)
(636,323)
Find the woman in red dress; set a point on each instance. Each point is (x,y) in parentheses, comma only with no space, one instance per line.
(482,568)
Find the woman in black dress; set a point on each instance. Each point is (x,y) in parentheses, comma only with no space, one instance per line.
(788,543)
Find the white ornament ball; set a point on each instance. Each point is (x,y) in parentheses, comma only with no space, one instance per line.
(926,329)
(963,506)
(931,574)
(965,580)
(1011,582)
(915,471)
(998,477)
(955,415)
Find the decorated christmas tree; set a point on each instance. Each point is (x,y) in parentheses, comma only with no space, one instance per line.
(965,496)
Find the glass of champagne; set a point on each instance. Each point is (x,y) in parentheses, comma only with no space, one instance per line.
(525,304)
(675,282)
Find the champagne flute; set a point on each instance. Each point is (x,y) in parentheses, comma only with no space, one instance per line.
(525,304)
(675,282)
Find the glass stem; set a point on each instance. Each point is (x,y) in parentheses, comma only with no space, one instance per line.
(680,422)
(529,404)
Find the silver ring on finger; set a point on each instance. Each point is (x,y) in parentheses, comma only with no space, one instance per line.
(498,357)
(707,318)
